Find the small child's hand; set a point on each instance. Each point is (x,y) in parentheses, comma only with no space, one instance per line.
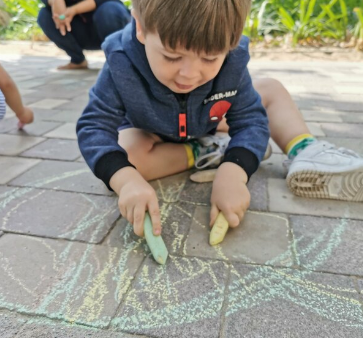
(26,116)
(230,194)
(137,196)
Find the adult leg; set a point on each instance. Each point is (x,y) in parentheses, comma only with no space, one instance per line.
(68,43)
(110,17)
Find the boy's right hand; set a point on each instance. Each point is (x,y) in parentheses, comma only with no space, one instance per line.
(136,196)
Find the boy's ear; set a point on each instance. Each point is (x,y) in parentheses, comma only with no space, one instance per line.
(139,32)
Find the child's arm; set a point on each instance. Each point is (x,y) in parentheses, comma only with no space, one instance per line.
(98,141)
(230,194)
(13,98)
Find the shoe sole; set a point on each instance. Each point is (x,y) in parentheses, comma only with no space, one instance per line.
(346,186)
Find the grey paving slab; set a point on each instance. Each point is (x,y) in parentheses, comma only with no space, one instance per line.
(66,176)
(250,242)
(11,167)
(184,298)
(268,302)
(332,116)
(38,128)
(58,214)
(355,144)
(78,104)
(333,245)
(12,145)
(47,329)
(59,91)
(66,131)
(55,149)
(75,282)
(48,103)
(10,324)
(315,129)
(67,116)
(345,130)
(282,200)
(8,124)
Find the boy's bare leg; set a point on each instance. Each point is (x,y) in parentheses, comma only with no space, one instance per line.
(152,157)
(285,119)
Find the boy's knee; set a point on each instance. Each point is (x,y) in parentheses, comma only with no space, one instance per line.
(138,145)
(269,89)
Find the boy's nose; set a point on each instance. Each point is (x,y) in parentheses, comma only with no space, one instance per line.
(188,70)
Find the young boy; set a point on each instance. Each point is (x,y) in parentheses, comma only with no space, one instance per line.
(169,79)
(9,94)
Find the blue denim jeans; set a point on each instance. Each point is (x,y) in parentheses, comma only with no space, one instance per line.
(108,18)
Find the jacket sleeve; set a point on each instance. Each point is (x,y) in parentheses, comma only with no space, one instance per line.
(97,129)
(248,127)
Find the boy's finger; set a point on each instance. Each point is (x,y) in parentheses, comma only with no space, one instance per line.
(139,215)
(213,214)
(232,219)
(130,215)
(155,217)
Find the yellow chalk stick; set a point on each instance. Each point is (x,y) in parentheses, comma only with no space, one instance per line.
(219,230)
(155,243)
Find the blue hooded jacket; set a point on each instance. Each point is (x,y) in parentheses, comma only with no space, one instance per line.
(127,92)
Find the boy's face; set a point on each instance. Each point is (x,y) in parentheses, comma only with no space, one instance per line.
(180,70)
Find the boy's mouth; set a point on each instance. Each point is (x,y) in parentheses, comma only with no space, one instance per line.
(183,87)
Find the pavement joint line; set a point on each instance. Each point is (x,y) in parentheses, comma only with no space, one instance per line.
(104,239)
(277,267)
(131,285)
(225,302)
(52,189)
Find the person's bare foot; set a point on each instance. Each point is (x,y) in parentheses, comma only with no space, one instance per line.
(73,66)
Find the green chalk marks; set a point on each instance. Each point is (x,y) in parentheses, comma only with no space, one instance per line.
(155,243)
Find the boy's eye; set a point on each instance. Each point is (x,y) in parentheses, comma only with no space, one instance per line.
(209,60)
(169,59)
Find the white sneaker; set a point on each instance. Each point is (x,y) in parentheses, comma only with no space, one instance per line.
(211,150)
(322,170)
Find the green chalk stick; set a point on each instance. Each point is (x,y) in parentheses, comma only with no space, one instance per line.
(155,243)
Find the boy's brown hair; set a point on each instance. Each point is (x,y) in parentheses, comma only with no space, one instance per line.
(209,26)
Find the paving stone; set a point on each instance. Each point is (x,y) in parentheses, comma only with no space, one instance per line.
(250,242)
(56,91)
(66,176)
(282,200)
(332,116)
(170,189)
(8,124)
(47,329)
(11,167)
(269,302)
(30,84)
(12,145)
(76,282)
(48,103)
(180,299)
(349,143)
(333,245)
(67,116)
(66,131)
(58,214)
(55,149)
(1,233)
(348,130)
(38,128)
(78,104)
(353,89)
(315,129)
(10,324)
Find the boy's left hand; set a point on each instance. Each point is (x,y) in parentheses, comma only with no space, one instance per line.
(230,194)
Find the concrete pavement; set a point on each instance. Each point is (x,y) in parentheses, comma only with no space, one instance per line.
(70,266)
